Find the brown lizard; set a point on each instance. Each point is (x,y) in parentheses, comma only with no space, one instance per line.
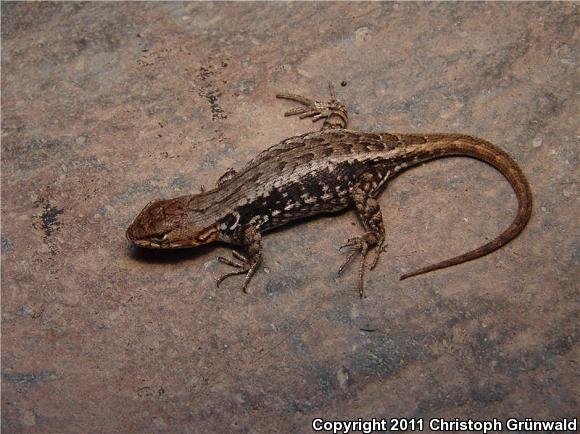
(313,173)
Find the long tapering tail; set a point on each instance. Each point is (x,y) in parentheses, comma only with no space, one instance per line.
(459,145)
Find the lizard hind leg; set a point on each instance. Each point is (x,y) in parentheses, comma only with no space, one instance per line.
(370,215)
(333,111)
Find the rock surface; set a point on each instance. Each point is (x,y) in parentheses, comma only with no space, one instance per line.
(106,106)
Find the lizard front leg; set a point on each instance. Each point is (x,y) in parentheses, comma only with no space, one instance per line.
(333,111)
(251,239)
(369,212)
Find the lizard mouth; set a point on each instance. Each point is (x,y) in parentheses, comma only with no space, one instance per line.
(155,242)
(148,244)
(160,243)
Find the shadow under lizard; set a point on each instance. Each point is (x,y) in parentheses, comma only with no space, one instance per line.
(319,172)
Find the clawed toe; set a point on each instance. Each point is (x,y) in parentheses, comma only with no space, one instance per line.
(333,111)
(296,111)
(378,250)
(230,274)
(229,262)
(348,259)
(310,107)
(352,242)
(358,245)
(242,266)
(296,98)
(361,246)
(238,256)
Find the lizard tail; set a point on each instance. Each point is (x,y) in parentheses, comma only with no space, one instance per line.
(484,151)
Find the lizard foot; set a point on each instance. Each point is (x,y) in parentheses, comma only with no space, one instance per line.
(362,245)
(243,267)
(333,111)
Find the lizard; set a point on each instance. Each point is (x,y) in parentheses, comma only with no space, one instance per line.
(324,171)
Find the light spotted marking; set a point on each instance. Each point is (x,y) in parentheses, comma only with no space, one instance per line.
(206,235)
(326,196)
(284,194)
(325,187)
(259,220)
(400,166)
(237,215)
(289,206)
(309,200)
(275,213)
(380,186)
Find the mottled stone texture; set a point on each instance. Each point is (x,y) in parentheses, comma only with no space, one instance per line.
(106,106)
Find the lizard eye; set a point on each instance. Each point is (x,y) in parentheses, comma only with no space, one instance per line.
(159,238)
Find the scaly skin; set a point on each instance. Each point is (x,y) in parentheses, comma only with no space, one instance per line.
(314,173)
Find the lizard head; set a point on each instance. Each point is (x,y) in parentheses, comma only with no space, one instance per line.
(171,224)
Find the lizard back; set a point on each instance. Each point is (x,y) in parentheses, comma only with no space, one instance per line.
(311,174)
